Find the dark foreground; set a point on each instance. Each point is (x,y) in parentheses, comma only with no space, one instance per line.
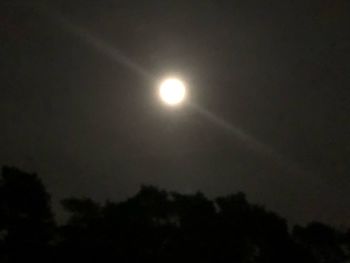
(154,226)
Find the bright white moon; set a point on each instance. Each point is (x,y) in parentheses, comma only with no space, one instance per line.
(172,91)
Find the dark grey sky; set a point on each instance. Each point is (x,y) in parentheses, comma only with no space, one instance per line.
(89,125)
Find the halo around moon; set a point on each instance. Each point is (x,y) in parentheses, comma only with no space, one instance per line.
(172,91)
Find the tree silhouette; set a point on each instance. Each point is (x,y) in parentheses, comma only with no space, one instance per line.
(155,225)
(324,242)
(26,219)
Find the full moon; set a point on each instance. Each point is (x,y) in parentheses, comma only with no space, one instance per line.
(172,91)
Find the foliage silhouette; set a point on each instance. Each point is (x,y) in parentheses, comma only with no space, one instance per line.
(154,226)
(26,220)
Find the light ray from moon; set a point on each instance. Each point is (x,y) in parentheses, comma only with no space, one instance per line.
(251,142)
(102,46)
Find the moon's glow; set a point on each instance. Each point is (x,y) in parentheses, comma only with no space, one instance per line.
(172,91)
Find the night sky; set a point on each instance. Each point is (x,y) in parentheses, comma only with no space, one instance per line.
(87,119)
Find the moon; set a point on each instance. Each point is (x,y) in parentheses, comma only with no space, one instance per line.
(172,91)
